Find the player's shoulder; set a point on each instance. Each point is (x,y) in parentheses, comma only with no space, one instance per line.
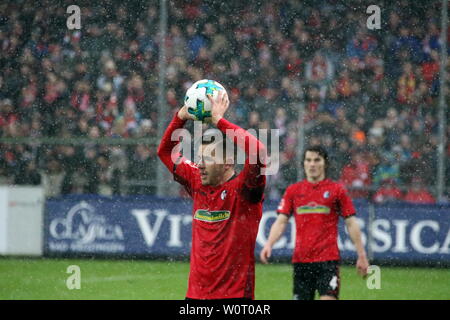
(295,186)
(187,162)
(337,186)
(186,168)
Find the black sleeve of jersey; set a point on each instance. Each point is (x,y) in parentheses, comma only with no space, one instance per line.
(287,215)
(253,195)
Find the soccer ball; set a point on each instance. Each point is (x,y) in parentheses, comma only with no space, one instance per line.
(196,99)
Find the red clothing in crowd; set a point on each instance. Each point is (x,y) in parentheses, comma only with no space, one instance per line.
(356,175)
(421,196)
(387,193)
(430,71)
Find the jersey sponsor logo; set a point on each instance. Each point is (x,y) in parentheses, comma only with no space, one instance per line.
(211,216)
(312,208)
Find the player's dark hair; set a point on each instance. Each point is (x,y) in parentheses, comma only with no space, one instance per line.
(321,151)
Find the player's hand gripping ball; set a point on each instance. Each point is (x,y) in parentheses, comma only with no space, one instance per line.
(196,100)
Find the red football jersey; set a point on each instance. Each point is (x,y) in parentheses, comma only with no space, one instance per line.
(224,225)
(316,207)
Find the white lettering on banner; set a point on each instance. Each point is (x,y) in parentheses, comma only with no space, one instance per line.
(400,236)
(58,246)
(175,239)
(339,243)
(187,220)
(388,235)
(446,246)
(58,224)
(149,233)
(84,225)
(362,226)
(96,247)
(348,245)
(175,227)
(380,232)
(384,238)
(416,242)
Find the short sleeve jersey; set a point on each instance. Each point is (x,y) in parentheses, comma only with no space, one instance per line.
(316,208)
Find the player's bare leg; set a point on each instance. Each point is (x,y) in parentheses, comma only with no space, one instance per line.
(327,298)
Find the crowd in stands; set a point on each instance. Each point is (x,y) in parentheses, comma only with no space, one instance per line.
(369,96)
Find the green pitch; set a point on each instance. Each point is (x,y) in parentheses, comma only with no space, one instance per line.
(139,279)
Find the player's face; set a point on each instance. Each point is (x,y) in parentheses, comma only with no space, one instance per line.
(314,165)
(212,169)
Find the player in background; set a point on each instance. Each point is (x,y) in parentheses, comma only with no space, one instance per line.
(227,207)
(316,204)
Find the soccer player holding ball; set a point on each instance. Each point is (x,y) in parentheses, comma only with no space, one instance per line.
(227,206)
(316,204)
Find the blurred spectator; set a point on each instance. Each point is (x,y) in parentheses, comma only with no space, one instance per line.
(195,41)
(361,45)
(406,85)
(319,70)
(27,174)
(142,170)
(52,177)
(387,192)
(418,194)
(373,92)
(430,68)
(110,80)
(332,102)
(80,99)
(356,176)
(387,169)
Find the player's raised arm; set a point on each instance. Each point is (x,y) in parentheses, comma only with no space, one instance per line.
(166,145)
(254,149)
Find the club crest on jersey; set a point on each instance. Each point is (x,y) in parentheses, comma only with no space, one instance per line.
(211,216)
(326,194)
(223,194)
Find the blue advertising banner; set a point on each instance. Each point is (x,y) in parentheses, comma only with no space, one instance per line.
(142,226)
